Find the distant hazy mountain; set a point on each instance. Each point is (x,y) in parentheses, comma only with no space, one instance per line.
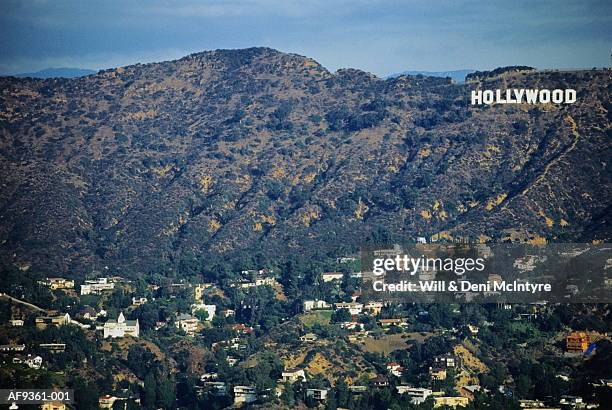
(457,75)
(62,72)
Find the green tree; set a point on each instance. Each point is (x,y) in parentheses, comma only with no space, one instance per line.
(523,386)
(201,314)
(149,393)
(341,315)
(165,392)
(85,394)
(287,397)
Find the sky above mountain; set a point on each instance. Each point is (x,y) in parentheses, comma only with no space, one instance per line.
(377,36)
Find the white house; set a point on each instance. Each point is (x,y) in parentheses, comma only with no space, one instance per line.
(138,301)
(315,304)
(42,322)
(187,323)
(33,362)
(317,394)
(450,401)
(57,283)
(107,401)
(293,375)
(395,369)
(351,325)
(330,276)
(373,307)
(270,281)
(96,286)
(209,309)
(446,360)
(12,348)
(53,347)
(417,395)
(121,327)
(354,308)
(244,394)
(216,388)
(207,377)
(572,401)
(309,337)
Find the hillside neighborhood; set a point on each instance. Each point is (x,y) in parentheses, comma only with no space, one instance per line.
(245,342)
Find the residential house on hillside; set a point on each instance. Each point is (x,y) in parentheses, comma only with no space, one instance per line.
(309,338)
(392,322)
(138,301)
(531,404)
(380,381)
(395,369)
(96,286)
(244,394)
(315,304)
(121,327)
(417,395)
(577,342)
(189,324)
(374,308)
(53,347)
(446,361)
(12,348)
(450,401)
(437,373)
(388,252)
(87,312)
(268,281)
(317,394)
(57,283)
(354,308)
(572,402)
(352,325)
(215,388)
(107,401)
(53,405)
(331,276)
(42,322)
(33,362)
(358,389)
(209,309)
(358,336)
(346,259)
(242,328)
(293,375)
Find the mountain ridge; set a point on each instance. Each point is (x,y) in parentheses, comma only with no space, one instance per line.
(238,156)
